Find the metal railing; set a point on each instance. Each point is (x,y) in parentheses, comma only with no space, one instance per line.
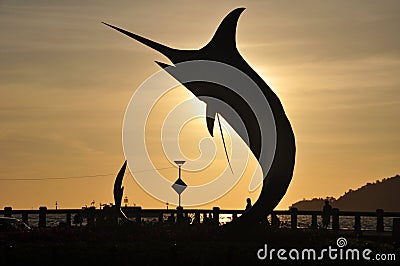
(91,214)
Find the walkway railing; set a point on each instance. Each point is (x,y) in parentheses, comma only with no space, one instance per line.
(204,215)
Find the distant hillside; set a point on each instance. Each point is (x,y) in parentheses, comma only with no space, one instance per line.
(384,194)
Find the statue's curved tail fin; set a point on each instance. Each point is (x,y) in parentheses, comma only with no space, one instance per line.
(119,192)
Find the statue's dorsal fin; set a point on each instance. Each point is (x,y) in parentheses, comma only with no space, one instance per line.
(225,35)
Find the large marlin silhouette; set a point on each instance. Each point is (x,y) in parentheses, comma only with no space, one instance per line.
(222,48)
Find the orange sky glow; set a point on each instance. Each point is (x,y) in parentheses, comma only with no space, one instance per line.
(66,80)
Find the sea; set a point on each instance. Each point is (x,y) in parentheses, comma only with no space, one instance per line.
(303,221)
(345,222)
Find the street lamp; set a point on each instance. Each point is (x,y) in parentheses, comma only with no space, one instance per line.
(179,164)
(179,186)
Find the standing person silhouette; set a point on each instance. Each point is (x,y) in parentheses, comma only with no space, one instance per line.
(248,206)
(326,214)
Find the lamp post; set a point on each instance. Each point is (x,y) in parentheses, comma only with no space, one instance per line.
(126,201)
(179,186)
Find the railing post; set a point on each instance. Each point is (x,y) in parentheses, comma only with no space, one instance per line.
(314,223)
(42,216)
(379,220)
(216,215)
(90,216)
(138,214)
(7,211)
(234,216)
(25,217)
(293,218)
(205,218)
(396,228)
(68,219)
(161,218)
(196,217)
(179,214)
(274,220)
(335,219)
(357,223)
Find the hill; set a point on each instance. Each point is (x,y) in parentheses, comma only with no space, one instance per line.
(383,194)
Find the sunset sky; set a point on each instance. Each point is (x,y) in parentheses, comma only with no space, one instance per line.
(66,80)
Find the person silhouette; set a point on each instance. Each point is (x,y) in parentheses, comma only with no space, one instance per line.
(248,206)
(326,214)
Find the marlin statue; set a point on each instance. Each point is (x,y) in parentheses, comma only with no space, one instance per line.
(222,48)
